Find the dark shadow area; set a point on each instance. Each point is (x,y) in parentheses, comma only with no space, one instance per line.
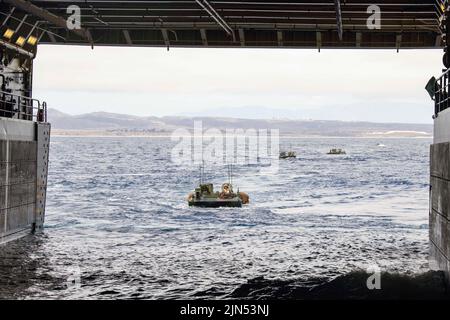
(352,286)
(24,269)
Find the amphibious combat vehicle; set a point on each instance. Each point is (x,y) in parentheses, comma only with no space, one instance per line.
(337,151)
(204,196)
(288,154)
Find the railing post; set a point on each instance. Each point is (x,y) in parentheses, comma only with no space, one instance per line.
(445,92)
(436,98)
(45,111)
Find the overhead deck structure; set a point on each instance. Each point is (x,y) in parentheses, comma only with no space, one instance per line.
(228,23)
(369,24)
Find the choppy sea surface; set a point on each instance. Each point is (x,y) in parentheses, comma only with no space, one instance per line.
(118,225)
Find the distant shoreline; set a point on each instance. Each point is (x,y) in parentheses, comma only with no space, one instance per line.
(106,134)
(103,124)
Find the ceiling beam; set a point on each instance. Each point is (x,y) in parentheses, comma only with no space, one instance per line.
(22,22)
(319,40)
(438,41)
(358,39)
(166,38)
(204,37)
(48,16)
(8,16)
(398,42)
(280,38)
(52,37)
(337,4)
(242,37)
(127,36)
(213,14)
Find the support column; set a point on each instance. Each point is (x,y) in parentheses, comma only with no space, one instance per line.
(439,215)
(43,147)
(439,226)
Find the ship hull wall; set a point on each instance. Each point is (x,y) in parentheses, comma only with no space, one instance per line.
(23,177)
(439,214)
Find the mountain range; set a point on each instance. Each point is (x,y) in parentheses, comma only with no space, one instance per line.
(121,124)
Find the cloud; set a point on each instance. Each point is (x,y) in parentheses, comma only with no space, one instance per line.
(156,81)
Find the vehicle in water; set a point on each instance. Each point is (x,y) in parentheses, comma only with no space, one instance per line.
(204,196)
(288,154)
(335,151)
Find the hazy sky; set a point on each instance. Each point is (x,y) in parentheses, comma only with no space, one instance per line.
(377,85)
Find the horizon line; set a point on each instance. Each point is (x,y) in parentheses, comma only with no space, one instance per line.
(240,118)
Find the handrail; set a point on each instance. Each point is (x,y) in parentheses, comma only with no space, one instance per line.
(20,107)
(441,93)
(443,74)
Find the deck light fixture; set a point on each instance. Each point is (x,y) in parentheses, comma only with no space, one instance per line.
(20,41)
(8,34)
(32,40)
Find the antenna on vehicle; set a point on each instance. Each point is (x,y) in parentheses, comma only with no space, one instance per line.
(230,174)
(202,172)
(202,166)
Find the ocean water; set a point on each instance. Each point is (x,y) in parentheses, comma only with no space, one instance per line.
(118,225)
